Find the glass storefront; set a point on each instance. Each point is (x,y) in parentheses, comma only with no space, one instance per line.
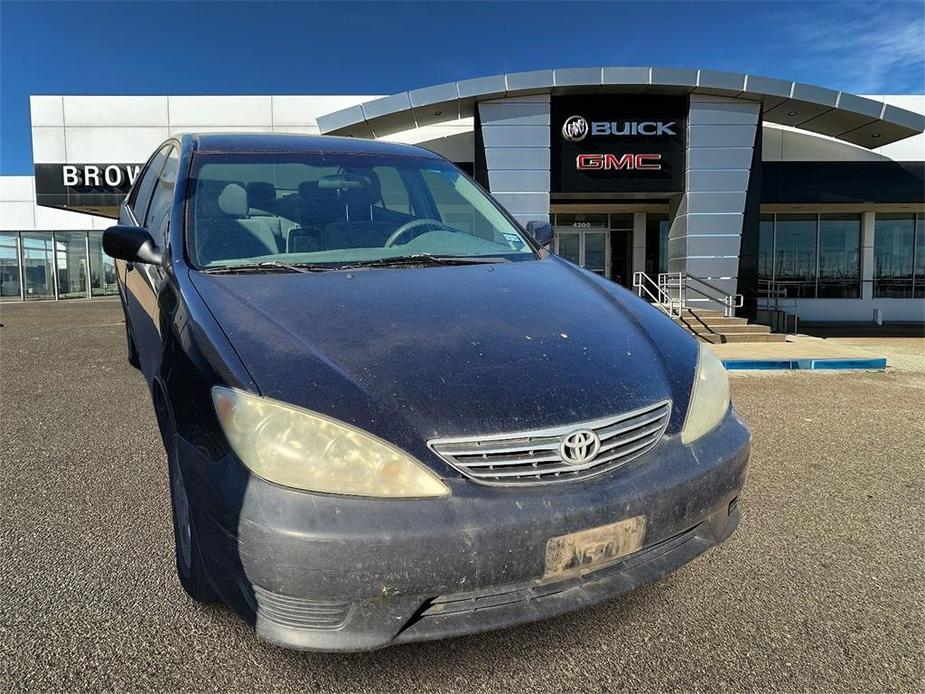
(37,265)
(810,256)
(899,256)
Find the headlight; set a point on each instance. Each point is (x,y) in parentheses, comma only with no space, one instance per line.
(306,450)
(709,397)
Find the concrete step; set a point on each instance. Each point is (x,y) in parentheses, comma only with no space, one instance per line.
(717,339)
(711,320)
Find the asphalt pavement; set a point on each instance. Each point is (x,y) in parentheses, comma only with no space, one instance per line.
(821,588)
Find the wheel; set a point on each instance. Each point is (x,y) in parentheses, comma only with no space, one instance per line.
(190,568)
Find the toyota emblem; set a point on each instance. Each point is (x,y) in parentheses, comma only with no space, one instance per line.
(575,128)
(580,447)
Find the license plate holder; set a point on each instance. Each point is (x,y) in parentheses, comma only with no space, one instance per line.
(589,549)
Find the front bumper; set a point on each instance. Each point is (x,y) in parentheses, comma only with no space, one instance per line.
(326,572)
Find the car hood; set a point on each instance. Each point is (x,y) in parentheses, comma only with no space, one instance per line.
(418,353)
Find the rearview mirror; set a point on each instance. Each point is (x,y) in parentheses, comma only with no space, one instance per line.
(133,244)
(541,232)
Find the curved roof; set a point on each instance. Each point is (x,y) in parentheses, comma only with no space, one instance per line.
(847,117)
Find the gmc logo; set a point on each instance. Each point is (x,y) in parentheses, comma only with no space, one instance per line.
(608,162)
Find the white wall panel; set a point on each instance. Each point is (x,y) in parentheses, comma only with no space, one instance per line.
(304,110)
(17,216)
(48,145)
(17,189)
(54,218)
(220,110)
(117,111)
(180,129)
(46,110)
(129,145)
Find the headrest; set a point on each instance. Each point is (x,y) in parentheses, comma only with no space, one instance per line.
(261,194)
(319,206)
(233,201)
(366,194)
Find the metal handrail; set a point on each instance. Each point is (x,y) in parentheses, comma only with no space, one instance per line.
(671,291)
(661,298)
(730,302)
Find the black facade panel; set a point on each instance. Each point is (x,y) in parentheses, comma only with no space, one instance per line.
(817,182)
(621,144)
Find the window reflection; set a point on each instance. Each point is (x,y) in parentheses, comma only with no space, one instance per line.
(71,249)
(795,255)
(893,255)
(839,256)
(9,266)
(102,268)
(919,285)
(38,264)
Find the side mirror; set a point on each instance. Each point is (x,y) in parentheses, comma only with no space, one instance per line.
(133,244)
(541,232)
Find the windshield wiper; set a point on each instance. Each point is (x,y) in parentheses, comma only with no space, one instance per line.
(268,266)
(424,259)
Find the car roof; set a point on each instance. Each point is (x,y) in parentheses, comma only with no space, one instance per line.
(232,142)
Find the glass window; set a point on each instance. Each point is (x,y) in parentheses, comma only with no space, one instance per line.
(102,268)
(345,209)
(9,266)
(569,246)
(38,264)
(657,228)
(141,195)
(765,253)
(894,236)
(920,256)
(795,255)
(596,252)
(71,250)
(839,256)
(157,220)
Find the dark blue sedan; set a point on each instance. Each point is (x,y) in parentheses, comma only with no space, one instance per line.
(389,413)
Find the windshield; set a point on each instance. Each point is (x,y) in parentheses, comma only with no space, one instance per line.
(330,210)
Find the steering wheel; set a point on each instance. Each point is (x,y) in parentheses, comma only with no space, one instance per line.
(408,226)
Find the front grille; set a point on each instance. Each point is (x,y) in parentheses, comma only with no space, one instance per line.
(299,613)
(534,457)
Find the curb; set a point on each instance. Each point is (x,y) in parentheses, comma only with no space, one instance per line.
(844,364)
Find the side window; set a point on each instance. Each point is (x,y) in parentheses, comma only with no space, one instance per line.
(157,220)
(142,194)
(394,192)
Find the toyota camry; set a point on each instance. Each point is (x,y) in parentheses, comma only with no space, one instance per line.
(390,413)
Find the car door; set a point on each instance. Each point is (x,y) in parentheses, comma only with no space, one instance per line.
(142,281)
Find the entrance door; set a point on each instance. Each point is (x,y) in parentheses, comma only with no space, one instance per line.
(585,241)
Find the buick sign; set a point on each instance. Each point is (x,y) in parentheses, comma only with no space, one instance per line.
(575,129)
(617,144)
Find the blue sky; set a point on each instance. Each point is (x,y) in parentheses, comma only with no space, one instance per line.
(384,47)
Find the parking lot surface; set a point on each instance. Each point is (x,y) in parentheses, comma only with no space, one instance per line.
(820,589)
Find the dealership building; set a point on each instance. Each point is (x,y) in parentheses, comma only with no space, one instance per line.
(733,188)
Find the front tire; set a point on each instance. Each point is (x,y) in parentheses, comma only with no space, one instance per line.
(190,567)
